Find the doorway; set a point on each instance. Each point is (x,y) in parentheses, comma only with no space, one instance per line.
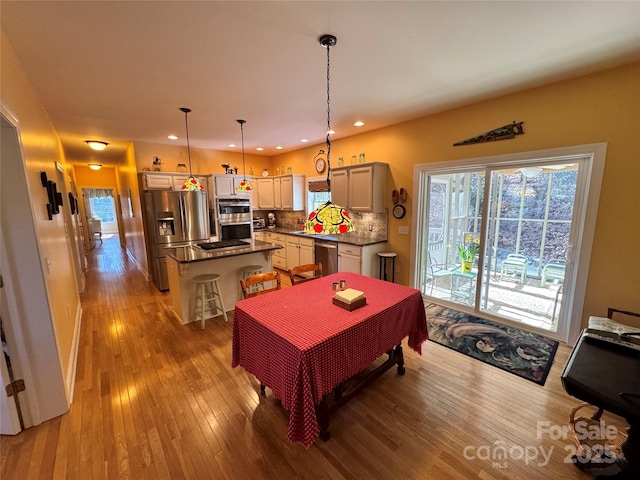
(102,220)
(519,219)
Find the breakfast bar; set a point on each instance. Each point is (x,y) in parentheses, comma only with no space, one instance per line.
(186,262)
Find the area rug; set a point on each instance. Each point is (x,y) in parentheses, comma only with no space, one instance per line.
(516,351)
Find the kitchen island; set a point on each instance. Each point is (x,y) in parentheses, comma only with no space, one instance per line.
(185,263)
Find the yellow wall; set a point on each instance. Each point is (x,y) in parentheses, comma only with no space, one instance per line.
(602,107)
(41,149)
(202,161)
(87,178)
(131,208)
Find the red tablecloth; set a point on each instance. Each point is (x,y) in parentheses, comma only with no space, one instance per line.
(296,342)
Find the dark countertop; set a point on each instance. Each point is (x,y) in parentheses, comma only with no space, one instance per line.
(193,253)
(353,238)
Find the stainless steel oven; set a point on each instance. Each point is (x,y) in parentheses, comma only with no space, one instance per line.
(234,218)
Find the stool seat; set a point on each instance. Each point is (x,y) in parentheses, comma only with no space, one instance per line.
(207,277)
(207,297)
(251,269)
(383,256)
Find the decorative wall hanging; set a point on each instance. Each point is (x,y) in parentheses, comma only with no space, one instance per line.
(502,133)
(54,197)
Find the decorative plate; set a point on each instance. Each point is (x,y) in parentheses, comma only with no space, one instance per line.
(403,195)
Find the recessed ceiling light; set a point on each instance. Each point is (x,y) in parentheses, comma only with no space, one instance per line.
(331,132)
(304,140)
(358,124)
(172,137)
(97,144)
(95,166)
(232,145)
(279,147)
(259,149)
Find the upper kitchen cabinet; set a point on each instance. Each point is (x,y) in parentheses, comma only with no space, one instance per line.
(167,181)
(225,185)
(360,188)
(292,192)
(266,199)
(284,192)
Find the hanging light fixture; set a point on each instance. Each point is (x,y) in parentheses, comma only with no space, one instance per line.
(328,219)
(244,185)
(190,183)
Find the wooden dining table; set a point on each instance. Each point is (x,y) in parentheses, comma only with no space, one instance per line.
(303,347)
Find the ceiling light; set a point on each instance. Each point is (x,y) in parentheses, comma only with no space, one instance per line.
(330,132)
(232,145)
(358,124)
(304,140)
(328,219)
(244,185)
(190,183)
(97,144)
(172,137)
(279,147)
(95,166)
(259,149)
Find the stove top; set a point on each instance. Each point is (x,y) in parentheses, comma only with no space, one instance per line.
(223,244)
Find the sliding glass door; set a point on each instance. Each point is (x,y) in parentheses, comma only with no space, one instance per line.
(515,224)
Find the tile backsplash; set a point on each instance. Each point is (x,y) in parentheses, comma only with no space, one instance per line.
(361,221)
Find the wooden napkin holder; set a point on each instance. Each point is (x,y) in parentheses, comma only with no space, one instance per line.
(350,306)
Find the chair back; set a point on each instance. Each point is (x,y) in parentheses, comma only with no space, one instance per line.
(259,280)
(295,273)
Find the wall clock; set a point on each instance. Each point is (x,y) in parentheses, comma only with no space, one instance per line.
(320,165)
(399,211)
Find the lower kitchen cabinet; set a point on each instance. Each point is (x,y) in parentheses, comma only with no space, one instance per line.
(279,256)
(360,259)
(299,251)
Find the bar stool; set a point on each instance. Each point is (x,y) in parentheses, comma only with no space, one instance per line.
(383,256)
(207,291)
(252,270)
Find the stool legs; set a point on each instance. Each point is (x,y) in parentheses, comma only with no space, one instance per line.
(207,294)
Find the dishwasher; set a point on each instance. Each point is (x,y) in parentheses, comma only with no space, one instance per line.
(327,254)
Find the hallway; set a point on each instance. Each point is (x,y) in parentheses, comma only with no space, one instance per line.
(156,399)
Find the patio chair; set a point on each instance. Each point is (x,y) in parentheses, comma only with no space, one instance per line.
(435,270)
(553,272)
(515,265)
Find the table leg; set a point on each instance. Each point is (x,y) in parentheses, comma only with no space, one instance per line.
(322,415)
(399,359)
(341,395)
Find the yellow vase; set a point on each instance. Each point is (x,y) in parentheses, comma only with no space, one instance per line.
(466,267)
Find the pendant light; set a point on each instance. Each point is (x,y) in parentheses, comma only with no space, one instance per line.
(190,183)
(328,219)
(244,185)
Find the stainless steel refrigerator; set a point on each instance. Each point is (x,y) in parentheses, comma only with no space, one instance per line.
(173,218)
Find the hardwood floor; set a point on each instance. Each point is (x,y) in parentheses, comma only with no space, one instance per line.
(155,399)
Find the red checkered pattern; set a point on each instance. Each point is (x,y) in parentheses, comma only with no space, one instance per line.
(296,342)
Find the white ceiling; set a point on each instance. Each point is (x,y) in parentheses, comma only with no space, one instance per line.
(119,71)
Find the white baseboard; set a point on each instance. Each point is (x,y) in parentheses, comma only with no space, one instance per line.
(73,360)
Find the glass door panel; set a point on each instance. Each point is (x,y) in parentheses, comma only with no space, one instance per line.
(518,272)
(454,206)
(530,221)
